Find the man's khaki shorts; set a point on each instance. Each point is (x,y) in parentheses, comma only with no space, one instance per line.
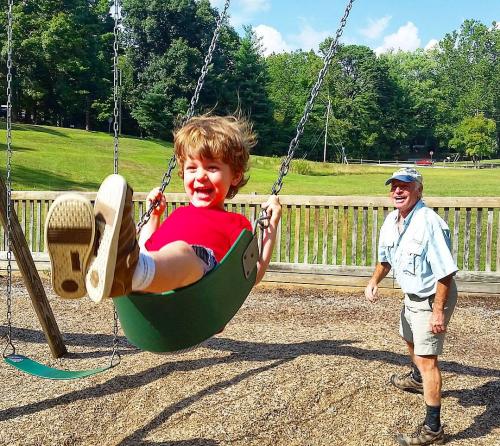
(414,324)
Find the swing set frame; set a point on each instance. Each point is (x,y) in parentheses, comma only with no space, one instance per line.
(130,308)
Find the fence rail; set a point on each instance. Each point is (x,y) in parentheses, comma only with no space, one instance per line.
(337,233)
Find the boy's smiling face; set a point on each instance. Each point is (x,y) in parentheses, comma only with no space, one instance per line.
(207,181)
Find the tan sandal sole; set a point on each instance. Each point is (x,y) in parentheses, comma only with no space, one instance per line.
(69,236)
(108,211)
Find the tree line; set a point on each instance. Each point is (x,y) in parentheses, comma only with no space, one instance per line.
(396,105)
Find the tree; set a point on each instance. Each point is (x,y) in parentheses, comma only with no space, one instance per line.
(415,74)
(475,137)
(163,87)
(250,79)
(291,77)
(166,44)
(61,59)
(365,103)
(469,74)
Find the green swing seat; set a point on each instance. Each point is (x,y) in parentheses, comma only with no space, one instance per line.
(35,368)
(180,319)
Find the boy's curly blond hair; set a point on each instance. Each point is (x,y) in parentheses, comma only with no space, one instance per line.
(225,138)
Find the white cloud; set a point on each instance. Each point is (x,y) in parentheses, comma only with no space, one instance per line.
(308,38)
(405,39)
(376,27)
(272,40)
(431,44)
(251,6)
(242,11)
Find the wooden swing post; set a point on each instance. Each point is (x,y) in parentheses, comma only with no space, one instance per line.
(31,278)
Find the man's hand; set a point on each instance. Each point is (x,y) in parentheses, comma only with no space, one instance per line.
(371,291)
(437,323)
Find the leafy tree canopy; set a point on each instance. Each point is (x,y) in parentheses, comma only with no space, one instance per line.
(475,137)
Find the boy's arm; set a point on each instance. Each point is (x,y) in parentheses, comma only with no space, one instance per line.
(155,218)
(273,209)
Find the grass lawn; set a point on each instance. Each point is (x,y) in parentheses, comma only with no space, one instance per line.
(53,158)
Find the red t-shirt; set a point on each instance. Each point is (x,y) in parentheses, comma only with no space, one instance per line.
(212,228)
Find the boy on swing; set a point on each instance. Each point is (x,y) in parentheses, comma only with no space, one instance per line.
(95,250)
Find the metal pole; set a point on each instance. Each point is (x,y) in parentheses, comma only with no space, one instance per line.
(326,128)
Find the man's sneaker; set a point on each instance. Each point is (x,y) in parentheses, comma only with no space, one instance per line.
(423,436)
(69,237)
(116,248)
(407,383)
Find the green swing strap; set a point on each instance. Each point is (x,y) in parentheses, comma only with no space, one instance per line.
(183,318)
(27,365)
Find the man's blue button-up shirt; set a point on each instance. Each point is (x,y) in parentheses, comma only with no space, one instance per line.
(419,253)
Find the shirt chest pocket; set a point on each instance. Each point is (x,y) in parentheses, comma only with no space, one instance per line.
(387,249)
(412,258)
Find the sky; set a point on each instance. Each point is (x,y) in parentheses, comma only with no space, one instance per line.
(287,25)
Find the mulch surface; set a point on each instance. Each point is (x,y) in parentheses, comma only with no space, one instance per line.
(296,366)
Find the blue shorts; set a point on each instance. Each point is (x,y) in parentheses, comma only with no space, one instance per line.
(207,256)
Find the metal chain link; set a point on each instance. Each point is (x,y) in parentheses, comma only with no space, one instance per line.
(9,345)
(116,113)
(167,176)
(115,354)
(294,143)
(208,59)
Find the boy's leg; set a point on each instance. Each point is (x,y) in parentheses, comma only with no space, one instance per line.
(117,251)
(69,236)
(176,265)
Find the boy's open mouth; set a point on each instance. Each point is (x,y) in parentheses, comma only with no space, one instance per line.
(203,191)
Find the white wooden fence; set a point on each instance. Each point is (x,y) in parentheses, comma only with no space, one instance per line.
(326,240)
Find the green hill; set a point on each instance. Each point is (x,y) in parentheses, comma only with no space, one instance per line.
(54,158)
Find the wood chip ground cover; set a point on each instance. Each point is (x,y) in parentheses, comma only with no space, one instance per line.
(296,366)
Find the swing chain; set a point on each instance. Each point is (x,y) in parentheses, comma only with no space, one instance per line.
(208,59)
(294,143)
(115,354)
(167,176)
(116,112)
(9,344)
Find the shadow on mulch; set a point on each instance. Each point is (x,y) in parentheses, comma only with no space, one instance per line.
(251,351)
(192,442)
(102,342)
(486,395)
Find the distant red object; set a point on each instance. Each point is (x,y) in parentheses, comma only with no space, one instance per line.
(424,162)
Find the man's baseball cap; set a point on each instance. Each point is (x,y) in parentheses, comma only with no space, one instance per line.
(406,174)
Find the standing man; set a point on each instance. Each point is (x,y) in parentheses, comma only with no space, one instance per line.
(415,243)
